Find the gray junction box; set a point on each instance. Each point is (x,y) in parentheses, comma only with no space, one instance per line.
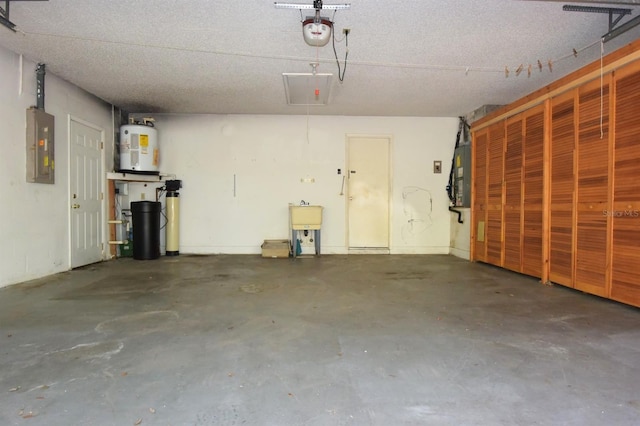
(40,146)
(462,176)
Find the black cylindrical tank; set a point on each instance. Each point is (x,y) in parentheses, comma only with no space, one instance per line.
(146,229)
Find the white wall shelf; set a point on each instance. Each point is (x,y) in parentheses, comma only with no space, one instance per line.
(136,177)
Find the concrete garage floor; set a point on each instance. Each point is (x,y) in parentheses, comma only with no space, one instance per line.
(336,340)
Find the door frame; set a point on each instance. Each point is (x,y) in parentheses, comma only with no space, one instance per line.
(101,179)
(389,138)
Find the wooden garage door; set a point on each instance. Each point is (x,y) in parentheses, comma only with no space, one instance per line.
(592,189)
(533,175)
(562,182)
(513,195)
(625,273)
(480,194)
(495,170)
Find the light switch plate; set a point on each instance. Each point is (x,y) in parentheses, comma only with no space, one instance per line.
(437,166)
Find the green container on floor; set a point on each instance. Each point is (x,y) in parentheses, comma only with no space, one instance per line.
(126,249)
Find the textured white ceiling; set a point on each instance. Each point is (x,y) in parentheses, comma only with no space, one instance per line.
(406,57)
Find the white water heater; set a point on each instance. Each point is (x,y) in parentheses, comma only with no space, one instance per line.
(139,149)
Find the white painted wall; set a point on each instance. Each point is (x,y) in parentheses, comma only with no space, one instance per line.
(269,155)
(461,234)
(34,218)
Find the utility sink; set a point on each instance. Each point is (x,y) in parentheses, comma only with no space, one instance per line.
(305,217)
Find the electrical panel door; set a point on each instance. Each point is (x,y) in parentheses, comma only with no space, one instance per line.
(40,146)
(462,176)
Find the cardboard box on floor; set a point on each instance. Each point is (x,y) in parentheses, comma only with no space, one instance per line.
(276,248)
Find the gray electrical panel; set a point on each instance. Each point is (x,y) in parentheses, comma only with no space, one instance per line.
(462,176)
(40,146)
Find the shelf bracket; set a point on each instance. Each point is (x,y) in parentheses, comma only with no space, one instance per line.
(4,14)
(615,16)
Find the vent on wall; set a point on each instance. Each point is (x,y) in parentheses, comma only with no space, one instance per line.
(307,88)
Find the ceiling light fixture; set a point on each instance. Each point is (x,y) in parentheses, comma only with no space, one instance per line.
(317,32)
(310,89)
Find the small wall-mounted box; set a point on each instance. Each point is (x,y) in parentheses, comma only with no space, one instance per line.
(40,146)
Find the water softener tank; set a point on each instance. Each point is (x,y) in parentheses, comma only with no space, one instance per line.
(139,149)
(173,217)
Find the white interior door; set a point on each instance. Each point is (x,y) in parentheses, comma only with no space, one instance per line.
(368,175)
(85,194)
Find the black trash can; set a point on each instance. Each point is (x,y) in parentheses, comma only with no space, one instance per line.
(146,229)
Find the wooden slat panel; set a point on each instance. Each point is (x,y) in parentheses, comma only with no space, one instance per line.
(625,283)
(625,271)
(532,261)
(627,143)
(512,239)
(591,262)
(562,188)
(561,257)
(494,232)
(494,193)
(480,192)
(593,146)
(513,196)
(592,189)
(495,163)
(562,150)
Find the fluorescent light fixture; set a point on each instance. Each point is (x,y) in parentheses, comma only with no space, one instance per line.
(305,88)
